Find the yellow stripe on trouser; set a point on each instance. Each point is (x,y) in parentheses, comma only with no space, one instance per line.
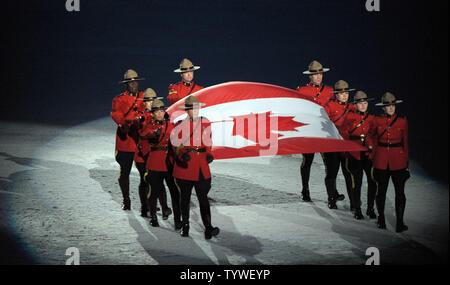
(176,184)
(351,175)
(303,162)
(149,193)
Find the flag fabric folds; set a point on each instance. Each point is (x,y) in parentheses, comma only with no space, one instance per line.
(257,119)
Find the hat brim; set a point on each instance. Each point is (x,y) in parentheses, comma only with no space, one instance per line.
(132,79)
(178,70)
(191,107)
(152,98)
(390,103)
(316,72)
(158,108)
(362,100)
(341,91)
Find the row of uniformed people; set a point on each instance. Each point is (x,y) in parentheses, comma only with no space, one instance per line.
(384,136)
(144,134)
(342,113)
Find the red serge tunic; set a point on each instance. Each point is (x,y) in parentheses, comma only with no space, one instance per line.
(194,138)
(391,146)
(125,108)
(337,111)
(156,160)
(180,90)
(143,146)
(356,127)
(316,93)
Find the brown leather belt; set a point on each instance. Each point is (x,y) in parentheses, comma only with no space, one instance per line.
(196,149)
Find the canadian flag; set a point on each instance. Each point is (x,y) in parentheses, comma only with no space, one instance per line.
(257,119)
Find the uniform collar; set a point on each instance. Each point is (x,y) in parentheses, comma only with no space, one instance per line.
(186,83)
(341,103)
(389,116)
(315,85)
(132,94)
(361,113)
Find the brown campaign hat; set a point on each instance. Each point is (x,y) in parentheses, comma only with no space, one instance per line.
(388,99)
(342,86)
(361,96)
(190,102)
(150,94)
(131,75)
(315,67)
(185,66)
(158,105)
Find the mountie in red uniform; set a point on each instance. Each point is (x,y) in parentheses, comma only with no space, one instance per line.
(181,90)
(356,126)
(157,133)
(337,111)
(391,146)
(390,136)
(196,145)
(125,108)
(320,94)
(191,139)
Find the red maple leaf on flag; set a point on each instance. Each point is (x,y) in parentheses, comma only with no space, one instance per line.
(248,126)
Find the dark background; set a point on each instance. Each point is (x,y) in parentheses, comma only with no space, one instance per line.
(62,67)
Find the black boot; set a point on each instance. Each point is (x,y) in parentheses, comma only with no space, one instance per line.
(144,212)
(331,194)
(304,173)
(178,225)
(143,190)
(358,215)
(371,213)
(332,204)
(401,228)
(125,188)
(126,205)
(211,231)
(166,213)
(399,211)
(381,224)
(154,221)
(184,230)
(340,197)
(305,195)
